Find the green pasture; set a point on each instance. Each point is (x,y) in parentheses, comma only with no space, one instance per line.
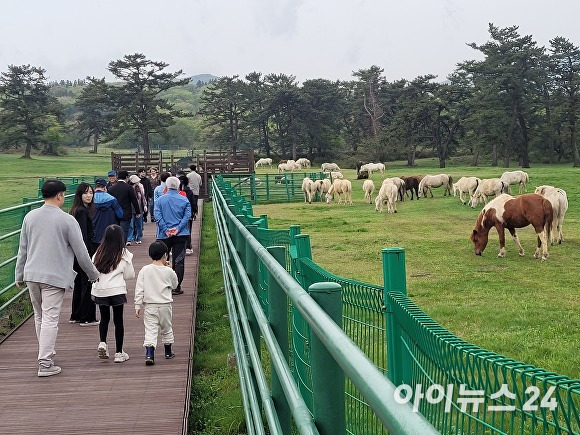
(521,307)
(19,177)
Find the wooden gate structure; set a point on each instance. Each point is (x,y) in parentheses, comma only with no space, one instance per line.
(208,163)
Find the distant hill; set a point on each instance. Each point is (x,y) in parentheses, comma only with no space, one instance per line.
(204,78)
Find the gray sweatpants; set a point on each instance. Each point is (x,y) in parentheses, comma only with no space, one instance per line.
(46,301)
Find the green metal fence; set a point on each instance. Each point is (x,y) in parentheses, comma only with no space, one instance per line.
(467,383)
(264,188)
(10,225)
(331,357)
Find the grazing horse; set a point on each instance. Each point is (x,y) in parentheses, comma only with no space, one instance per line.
(412,183)
(516,177)
(506,211)
(263,162)
(486,188)
(430,181)
(466,185)
(559,201)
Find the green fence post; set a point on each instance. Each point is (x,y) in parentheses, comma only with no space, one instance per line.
(303,250)
(327,376)
(278,319)
(394,274)
(253,194)
(264,221)
(394,279)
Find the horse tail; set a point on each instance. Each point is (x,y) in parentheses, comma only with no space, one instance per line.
(548,219)
(505,187)
(450,181)
(476,183)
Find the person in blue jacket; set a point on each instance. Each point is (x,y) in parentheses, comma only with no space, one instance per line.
(172,213)
(107,210)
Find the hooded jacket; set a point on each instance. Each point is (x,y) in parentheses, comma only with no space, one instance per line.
(108,212)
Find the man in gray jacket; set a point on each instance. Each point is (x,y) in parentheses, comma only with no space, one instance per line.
(50,239)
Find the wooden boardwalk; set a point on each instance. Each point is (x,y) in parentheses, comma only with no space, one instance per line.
(98,396)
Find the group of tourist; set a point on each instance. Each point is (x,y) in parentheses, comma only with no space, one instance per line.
(87,251)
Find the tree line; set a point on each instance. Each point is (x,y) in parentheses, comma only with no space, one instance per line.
(519,103)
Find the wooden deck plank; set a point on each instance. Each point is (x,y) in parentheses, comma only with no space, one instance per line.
(98,396)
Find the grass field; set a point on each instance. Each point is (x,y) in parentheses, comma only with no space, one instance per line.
(520,307)
(517,306)
(19,177)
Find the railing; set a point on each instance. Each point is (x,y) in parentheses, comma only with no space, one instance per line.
(11,298)
(261,188)
(332,355)
(470,390)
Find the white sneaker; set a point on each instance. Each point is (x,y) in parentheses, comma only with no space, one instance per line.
(95,323)
(121,357)
(44,372)
(188,251)
(103,350)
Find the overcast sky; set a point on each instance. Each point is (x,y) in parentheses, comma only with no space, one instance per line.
(306,38)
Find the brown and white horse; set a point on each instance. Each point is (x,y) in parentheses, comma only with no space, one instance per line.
(506,211)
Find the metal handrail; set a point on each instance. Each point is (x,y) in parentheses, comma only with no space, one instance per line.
(378,391)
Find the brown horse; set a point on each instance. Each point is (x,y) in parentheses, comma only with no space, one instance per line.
(412,183)
(506,211)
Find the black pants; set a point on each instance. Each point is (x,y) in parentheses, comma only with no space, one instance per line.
(176,246)
(188,245)
(117,320)
(83,307)
(194,210)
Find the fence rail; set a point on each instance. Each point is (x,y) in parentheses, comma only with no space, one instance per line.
(332,354)
(477,391)
(11,219)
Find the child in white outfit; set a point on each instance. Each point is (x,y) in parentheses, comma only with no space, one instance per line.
(153,290)
(110,291)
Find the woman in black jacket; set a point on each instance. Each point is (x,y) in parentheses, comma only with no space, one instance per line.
(83,209)
(189,195)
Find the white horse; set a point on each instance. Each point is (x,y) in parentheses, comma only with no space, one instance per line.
(465,185)
(430,181)
(290,165)
(559,201)
(516,177)
(389,193)
(303,162)
(368,189)
(340,187)
(323,187)
(486,188)
(329,167)
(309,188)
(263,162)
(373,167)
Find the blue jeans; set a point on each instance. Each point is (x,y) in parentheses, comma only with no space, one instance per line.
(151,208)
(125,227)
(136,229)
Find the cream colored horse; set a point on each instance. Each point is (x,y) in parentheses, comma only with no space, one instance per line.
(559,201)
(465,185)
(516,177)
(430,181)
